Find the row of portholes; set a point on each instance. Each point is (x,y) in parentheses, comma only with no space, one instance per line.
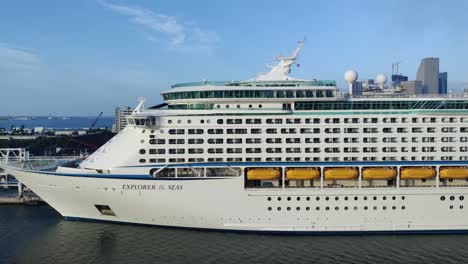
(202,121)
(346,198)
(238,106)
(346,208)
(451,207)
(452,198)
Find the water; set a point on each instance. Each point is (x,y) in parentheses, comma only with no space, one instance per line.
(68,123)
(37,234)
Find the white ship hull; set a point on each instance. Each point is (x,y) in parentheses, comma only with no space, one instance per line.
(224,204)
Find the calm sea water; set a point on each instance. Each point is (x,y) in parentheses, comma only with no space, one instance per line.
(68,123)
(37,234)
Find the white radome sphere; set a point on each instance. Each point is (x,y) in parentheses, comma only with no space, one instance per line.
(381,78)
(351,76)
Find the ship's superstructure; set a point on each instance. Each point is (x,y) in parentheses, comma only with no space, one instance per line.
(275,153)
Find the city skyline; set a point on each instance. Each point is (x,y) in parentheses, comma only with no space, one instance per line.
(87,57)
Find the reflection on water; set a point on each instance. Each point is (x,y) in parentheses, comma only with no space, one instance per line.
(39,235)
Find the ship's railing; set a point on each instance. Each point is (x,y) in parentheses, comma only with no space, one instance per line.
(39,163)
(423,96)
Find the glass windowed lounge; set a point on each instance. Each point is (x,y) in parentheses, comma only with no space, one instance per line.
(220,94)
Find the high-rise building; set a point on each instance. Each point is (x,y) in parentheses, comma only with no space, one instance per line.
(428,74)
(443,83)
(120,120)
(412,87)
(357,87)
(398,78)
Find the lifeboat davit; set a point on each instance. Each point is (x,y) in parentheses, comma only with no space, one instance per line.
(376,173)
(417,173)
(340,173)
(453,172)
(302,173)
(263,174)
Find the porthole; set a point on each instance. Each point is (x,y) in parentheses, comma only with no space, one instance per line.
(289,198)
(461,206)
(450,180)
(189,121)
(327,198)
(337,208)
(269,198)
(202,121)
(143,131)
(375,198)
(259,106)
(365,207)
(161,131)
(308,198)
(298,208)
(317,208)
(442,198)
(307,208)
(279,208)
(142,141)
(375,207)
(461,198)
(346,208)
(365,198)
(142,151)
(227,106)
(250,106)
(298,198)
(355,198)
(279,198)
(346,198)
(327,208)
(269,208)
(238,106)
(337,198)
(384,198)
(288,208)
(393,198)
(218,106)
(403,207)
(403,197)
(451,207)
(179,121)
(152,131)
(208,121)
(385,207)
(169,121)
(452,198)
(393,207)
(317,198)
(355,207)
(142,160)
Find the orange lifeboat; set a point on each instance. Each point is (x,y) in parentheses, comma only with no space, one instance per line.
(302,173)
(263,174)
(345,173)
(453,172)
(417,173)
(378,173)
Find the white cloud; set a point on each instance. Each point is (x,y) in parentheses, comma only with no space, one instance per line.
(180,35)
(15,58)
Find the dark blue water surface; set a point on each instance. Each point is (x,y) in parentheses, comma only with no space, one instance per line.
(67,123)
(37,234)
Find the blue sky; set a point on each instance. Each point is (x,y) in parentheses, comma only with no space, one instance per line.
(83,57)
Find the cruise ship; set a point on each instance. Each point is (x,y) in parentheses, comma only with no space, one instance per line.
(275,154)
